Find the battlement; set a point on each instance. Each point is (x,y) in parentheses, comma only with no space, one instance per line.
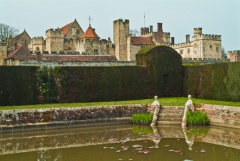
(54,33)
(166,34)
(103,41)
(234,52)
(126,21)
(210,37)
(182,45)
(197,31)
(37,40)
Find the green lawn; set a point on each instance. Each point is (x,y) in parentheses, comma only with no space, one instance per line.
(173,101)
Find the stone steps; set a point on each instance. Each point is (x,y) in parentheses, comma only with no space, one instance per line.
(169,119)
(170,115)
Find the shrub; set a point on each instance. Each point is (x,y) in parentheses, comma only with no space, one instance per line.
(142,118)
(197,118)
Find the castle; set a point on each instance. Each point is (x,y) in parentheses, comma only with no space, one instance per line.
(70,39)
(202,46)
(70,43)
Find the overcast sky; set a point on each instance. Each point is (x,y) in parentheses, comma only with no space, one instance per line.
(179,17)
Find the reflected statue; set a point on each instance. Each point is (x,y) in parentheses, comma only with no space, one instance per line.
(156,138)
(156,106)
(189,141)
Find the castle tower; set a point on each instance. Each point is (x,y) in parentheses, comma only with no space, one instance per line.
(120,35)
(54,41)
(198,31)
(38,42)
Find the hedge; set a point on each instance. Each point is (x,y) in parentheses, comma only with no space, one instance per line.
(18,85)
(216,81)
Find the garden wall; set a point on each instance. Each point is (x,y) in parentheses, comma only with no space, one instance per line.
(16,118)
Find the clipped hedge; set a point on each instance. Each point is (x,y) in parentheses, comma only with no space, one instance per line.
(215,81)
(165,69)
(18,85)
(104,83)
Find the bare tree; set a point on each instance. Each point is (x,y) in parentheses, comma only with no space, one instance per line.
(134,32)
(223,53)
(7,32)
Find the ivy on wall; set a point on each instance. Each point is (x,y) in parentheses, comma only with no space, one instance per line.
(46,85)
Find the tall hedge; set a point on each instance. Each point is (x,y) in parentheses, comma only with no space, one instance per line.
(18,85)
(104,83)
(164,69)
(215,81)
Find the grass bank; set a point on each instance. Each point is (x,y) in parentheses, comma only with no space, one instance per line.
(173,101)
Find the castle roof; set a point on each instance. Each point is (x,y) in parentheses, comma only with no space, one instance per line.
(90,33)
(141,41)
(18,37)
(66,28)
(76,58)
(20,53)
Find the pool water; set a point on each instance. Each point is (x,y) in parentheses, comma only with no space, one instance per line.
(123,142)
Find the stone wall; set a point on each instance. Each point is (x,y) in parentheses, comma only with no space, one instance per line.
(3,53)
(68,63)
(226,116)
(219,115)
(60,115)
(222,115)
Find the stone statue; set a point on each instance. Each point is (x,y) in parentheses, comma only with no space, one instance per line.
(156,106)
(187,105)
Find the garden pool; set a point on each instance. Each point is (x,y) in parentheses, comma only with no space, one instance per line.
(122,142)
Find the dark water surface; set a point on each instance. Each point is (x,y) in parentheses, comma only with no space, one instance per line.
(123,142)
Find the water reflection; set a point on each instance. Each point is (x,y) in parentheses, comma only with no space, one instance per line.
(189,139)
(124,142)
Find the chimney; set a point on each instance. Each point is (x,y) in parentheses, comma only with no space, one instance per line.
(147,30)
(159,27)
(141,31)
(187,38)
(172,40)
(151,29)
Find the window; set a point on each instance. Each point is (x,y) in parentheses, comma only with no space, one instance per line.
(204,49)
(95,50)
(217,49)
(188,51)
(210,46)
(181,51)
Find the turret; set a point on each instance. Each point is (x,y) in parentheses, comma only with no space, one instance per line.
(198,31)
(188,38)
(120,35)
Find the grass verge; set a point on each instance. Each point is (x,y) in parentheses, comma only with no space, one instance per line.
(173,101)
